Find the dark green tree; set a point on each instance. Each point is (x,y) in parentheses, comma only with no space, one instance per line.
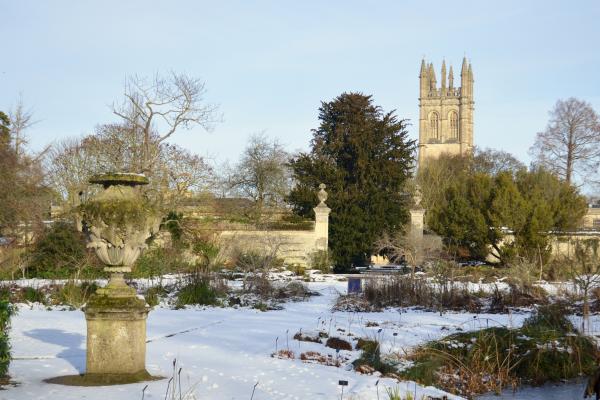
(364,156)
(8,175)
(459,217)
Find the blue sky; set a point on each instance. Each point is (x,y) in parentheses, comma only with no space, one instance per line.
(268,64)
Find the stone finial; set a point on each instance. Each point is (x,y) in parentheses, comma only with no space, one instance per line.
(417,197)
(322,195)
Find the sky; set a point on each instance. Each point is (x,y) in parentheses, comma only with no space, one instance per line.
(269,64)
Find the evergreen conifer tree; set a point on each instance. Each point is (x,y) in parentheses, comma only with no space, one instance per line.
(364,156)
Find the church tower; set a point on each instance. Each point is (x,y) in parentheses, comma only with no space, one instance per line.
(445,112)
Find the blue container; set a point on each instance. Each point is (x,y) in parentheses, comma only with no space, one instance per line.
(354,285)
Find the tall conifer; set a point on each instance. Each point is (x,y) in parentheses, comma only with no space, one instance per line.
(364,156)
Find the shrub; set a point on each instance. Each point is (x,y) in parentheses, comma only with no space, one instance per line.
(153,295)
(209,253)
(297,269)
(365,343)
(32,295)
(293,290)
(260,306)
(159,261)
(338,344)
(59,253)
(172,222)
(320,260)
(254,261)
(314,337)
(371,356)
(6,312)
(260,285)
(199,290)
(518,295)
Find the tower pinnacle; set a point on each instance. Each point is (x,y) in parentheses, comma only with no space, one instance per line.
(443,78)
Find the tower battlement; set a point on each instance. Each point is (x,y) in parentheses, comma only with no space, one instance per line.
(445,112)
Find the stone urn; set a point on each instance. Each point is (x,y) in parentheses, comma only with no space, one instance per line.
(118,221)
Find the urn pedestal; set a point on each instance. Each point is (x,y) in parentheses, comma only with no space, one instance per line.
(116,338)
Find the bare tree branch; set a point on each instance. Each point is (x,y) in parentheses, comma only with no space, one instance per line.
(162,106)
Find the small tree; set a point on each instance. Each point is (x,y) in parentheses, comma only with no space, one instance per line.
(585,273)
(570,144)
(262,174)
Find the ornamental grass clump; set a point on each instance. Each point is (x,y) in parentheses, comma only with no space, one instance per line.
(200,289)
(408,291)
(73,294)
(546,348)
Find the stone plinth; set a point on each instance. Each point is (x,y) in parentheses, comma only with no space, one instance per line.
(116,336)
(417,222)
(416,233)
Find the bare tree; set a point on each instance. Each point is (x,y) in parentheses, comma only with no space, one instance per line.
(20,120)
(410,247)
(180,173)
(256,256)
(262,174)
(438,175)
(71,163)
(116,147)
(493,161)
(157,108)
(69,169)
(570,144)
(23,197)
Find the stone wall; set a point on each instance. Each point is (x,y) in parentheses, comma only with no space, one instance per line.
(591,220)
(562,245)
(294,247)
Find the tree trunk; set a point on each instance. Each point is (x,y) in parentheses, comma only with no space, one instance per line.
(569,166)
(586,313)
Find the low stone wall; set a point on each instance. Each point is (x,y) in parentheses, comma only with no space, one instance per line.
(294,247)
(562,245)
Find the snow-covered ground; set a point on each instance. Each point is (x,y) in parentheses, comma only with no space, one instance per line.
(224,352)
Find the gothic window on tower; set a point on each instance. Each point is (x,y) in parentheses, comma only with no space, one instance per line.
(434,121)
(453,118)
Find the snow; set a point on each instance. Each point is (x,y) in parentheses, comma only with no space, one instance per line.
(224,352)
